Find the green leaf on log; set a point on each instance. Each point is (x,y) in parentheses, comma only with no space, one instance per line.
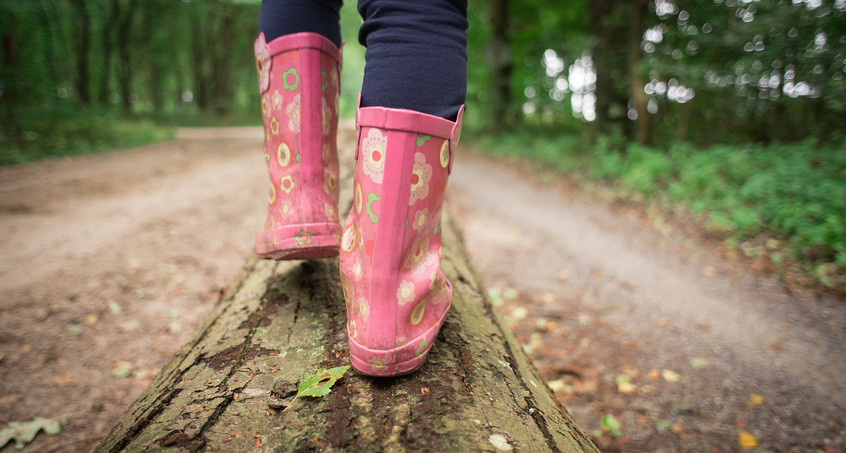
(318,384)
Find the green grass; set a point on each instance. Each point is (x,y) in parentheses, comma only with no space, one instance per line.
(39,133)
(794,193)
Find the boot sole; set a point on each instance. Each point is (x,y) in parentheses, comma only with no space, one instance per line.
(300,242)
(407,350)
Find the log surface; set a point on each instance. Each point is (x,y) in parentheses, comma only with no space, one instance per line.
(477,390)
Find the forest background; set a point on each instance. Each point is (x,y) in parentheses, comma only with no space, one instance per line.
(726,113)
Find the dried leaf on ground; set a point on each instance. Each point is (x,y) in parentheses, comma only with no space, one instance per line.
(747,440)
(624,384)
(121,369)
(559,385)
(24,432)
(755,400)
(631,371)
(698,362)
(60,381)
(626,388)
(670,375)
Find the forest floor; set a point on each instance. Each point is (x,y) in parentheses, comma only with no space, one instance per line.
(109,262)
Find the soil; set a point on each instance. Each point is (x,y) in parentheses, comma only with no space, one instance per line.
(109,262)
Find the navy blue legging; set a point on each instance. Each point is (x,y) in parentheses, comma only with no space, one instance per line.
(416,54)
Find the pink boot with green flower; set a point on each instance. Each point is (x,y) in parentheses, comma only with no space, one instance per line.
(299,82)
(396,293)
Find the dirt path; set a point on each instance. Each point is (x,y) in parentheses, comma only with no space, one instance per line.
(108,264)
(110,261)
(607,294)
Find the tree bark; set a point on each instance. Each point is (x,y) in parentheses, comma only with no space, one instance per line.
(610,31)
(201,22)
(124,55)
(638,11)
(108,46)
(279,320)
(82,40)
(150,10)
(51,28)
(499,56)
(601,62)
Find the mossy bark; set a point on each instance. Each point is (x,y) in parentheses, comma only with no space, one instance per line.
(279,320)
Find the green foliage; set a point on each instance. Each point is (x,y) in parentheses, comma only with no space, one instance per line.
(762,71)
(144,63)
(648,168)
(44,133)
(555,150)
(796,191)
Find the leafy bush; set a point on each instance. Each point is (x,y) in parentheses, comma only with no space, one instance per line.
(38,133)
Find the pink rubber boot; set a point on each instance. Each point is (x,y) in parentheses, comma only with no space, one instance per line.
(299,82)
(396,294)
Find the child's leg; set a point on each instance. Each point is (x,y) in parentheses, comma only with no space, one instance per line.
(416,55)
(284,17)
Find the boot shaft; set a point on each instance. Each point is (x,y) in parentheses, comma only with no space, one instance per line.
(299,84)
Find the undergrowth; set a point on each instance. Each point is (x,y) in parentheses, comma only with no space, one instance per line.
(787,201)
(37,133)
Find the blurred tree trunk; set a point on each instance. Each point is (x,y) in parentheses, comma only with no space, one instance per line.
(205,30)
(500,61)
(153,62)
(222,63)
(124,56)
(50,60)
(601,62)
(199,59)
(610,36)
(214,35)
(108,51)
(10,62)
(82,48)
(10,55)
(637,15)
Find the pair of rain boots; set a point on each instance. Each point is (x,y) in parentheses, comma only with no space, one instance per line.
(390,249)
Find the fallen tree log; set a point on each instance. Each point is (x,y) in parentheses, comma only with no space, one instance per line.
(279,320)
